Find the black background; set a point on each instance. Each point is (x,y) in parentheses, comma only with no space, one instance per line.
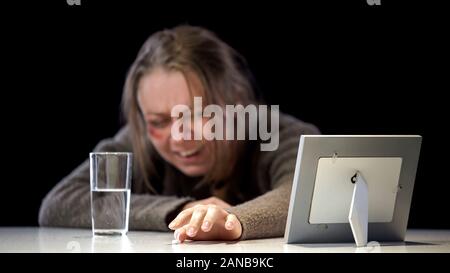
(348,67)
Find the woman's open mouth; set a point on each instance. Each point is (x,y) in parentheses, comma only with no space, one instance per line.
(189,155)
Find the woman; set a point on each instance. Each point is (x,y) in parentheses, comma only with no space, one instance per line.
(201,189)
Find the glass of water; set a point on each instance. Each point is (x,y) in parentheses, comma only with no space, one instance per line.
(110,192)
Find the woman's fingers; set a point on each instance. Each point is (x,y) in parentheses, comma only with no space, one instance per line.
(181,218)
(206,223)
(196,220)
(180,234)
(230,223)
(211,217)
(233,225)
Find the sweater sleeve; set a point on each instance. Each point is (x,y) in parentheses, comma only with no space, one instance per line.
(266,215)
(68,204)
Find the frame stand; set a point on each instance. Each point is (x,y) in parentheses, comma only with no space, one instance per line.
(359,210)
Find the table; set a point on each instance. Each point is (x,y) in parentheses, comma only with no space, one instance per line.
(39,239)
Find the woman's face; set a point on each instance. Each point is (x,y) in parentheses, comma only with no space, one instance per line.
(158,92)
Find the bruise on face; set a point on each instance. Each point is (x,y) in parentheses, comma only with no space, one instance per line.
(155,133)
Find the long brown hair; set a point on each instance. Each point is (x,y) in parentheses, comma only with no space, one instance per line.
(224,76)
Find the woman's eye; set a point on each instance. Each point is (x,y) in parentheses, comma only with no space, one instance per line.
(158,123)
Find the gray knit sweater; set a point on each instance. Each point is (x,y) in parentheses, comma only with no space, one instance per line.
(259,193)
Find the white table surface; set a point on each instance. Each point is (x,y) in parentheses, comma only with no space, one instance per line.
(37,239)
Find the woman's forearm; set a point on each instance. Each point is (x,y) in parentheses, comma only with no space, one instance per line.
(266,215)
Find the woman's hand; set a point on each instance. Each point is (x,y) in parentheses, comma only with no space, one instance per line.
(206,222)
(208,201)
